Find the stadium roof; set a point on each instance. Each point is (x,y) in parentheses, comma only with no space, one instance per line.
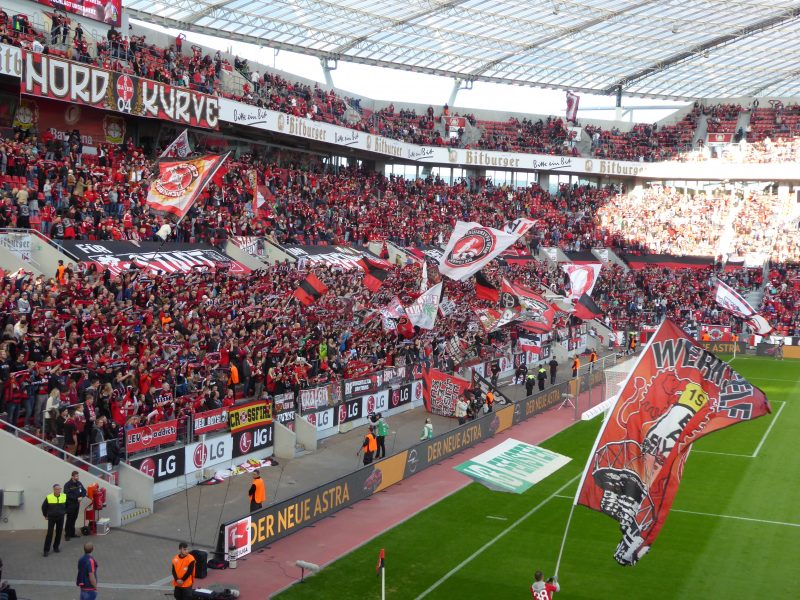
(657,48)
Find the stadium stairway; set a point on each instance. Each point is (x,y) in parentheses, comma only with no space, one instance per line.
(701,131)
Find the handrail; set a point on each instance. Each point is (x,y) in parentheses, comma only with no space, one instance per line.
(41,236)
(77,460)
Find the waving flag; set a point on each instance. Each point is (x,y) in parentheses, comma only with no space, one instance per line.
(310,290)
(582,278)
(484,289)
(179,148)
(441,391)
(423,286)
(180,182)
(677,393)
(375,273)
(586,309)
(531,307)
(423,311)
(729,299)
(573,100)
(472,246)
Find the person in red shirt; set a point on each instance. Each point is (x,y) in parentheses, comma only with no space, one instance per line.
(544,590)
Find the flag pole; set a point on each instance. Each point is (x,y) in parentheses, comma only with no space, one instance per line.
(564,539)
(383,583)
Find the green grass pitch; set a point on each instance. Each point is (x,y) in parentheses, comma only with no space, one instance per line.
(734,530)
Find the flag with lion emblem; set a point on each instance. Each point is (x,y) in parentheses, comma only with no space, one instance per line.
(180,182)
(677,393)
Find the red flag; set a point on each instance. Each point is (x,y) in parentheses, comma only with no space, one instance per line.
(180,182)
(441,391)
(484,288)
(310,290)
(677,393)
(381,561)
(404,327)
(375,273)
(586,309)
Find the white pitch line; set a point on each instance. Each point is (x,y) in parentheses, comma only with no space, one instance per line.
(491,542)
(722,453)
(771,425)
(497,518)
(702,514)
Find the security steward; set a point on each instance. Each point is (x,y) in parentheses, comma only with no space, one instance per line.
(530,380)
(553,370)
(576,364)
(257,492)
(369,446)
(183,573)
(541,376)
(592,360)
(489,401)
(54,508)
(75,491)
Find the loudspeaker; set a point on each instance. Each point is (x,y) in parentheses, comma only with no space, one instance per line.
(201,564)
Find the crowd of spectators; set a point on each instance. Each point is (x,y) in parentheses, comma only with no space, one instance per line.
(667,221)
(780,304)
(771,135)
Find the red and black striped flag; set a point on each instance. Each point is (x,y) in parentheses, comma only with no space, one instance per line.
(484,288)
(310,290)
(586,309)
(375,273)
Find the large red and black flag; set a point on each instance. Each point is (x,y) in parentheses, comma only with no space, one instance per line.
(484,289)
(586,309)
(677,393)
(311,289)
(375,273)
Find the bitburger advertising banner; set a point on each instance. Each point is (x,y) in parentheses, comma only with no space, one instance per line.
(247,416)
(61,79)
(153,257)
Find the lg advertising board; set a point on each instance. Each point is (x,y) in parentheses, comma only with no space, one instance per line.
(164,465)
(208,453)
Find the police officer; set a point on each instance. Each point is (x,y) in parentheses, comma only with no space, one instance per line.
(530,381)
(382,429)
(54,508)
(183,565)
(553,370)
(75,491)
(541,376)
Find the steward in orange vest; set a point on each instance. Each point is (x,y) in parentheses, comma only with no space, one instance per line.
(257,493)
(576,364)
(183,573)
(369,446)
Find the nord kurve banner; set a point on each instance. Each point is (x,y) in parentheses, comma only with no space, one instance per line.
(61,79)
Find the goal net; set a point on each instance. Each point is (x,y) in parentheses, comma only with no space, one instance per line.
(614,378)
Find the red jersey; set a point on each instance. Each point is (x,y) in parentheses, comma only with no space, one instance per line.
(544,594)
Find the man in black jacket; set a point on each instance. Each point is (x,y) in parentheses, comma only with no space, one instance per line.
(54,508)
(75,491)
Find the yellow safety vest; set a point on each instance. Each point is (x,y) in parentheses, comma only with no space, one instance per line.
(53,499)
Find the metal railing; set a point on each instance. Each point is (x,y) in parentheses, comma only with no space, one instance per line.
(44,446)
